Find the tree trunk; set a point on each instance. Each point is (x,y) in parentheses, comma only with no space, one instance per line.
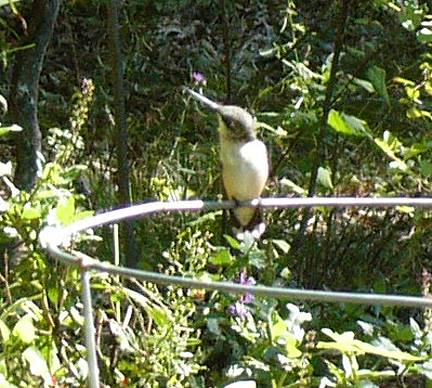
(24,92)
(121,135)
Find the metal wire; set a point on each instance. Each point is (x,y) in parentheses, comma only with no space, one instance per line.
(52,238)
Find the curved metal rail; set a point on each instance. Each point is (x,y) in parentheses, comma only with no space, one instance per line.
(52,239)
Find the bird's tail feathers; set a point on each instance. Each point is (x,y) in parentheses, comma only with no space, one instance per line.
(256,226)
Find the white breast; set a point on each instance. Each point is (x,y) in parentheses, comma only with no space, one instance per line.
(245,169)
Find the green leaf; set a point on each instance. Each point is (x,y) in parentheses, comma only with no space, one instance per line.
(404,81)
(395,354)
(4,383)
(346,124)
(12,128)
(37,363)
(233,243)
(24,329)
(414,113)
(213,326)
(364,84)
(336,121)
(377,76)
(324,177)
(30,213)
(159,316)
(292,186)
(424,35)
(387,145)
(358,125)
(66,210)
(53,295)
(4,331)
(84,214)
(417,149)
(222,258)
(405,209)
(6,2)
(278,329)
(282,245)
(412,93)
(346,343)
(425,168)
(291,348)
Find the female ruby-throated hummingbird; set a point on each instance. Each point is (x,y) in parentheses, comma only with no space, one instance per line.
(244,160)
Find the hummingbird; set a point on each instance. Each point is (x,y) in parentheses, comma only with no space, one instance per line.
(244,158)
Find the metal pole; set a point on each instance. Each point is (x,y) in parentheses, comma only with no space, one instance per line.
(89,330)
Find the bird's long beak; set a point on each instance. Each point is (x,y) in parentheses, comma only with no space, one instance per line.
(199,97)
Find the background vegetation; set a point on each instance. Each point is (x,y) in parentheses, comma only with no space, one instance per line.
(343,91)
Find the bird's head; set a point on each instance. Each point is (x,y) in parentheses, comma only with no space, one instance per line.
(235,123)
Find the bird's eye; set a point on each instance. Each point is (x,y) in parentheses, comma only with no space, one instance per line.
(228,121)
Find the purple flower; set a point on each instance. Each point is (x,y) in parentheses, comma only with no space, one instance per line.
(239,309)
(247,298)
(199,78)
(87,84)
(243,279)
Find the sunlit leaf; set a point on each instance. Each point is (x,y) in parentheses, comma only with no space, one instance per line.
(234,243)
(66,210)
(346,343)
(12,128)
(292,186)
(346,363)
(30,213)
(37,363)
(412,93)
(336,121)
(24,329)
(324,177)
(4,383)
(405,209)
(346,124)
(387,145)
(282,245)
(84,214)
(7,2)
(364,84)
(414,113)
(159,316)
(278,329)
(291,348)
(4,331)
(395,354)
(403,81)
